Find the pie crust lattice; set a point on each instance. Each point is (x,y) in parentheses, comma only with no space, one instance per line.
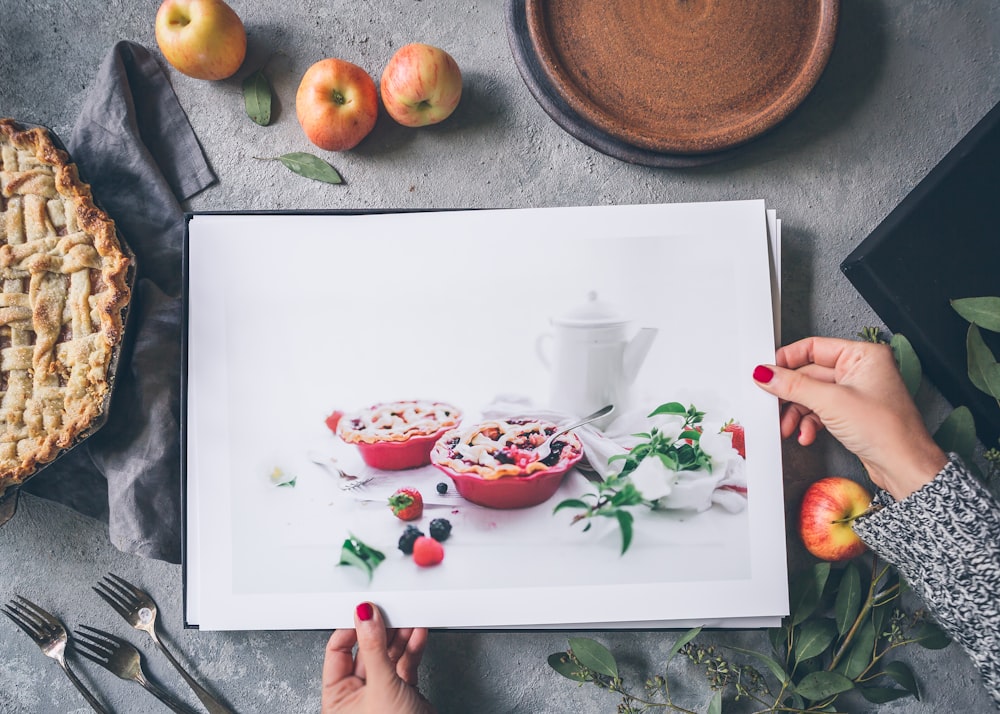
(62,292)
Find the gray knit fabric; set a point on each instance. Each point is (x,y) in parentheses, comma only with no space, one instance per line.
(945,541)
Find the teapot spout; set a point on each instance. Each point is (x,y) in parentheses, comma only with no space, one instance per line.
(636,351)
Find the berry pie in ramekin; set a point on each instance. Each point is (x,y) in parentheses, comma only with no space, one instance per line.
(494,463)
(398,435)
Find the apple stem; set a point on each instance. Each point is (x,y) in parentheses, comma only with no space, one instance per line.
(338,97)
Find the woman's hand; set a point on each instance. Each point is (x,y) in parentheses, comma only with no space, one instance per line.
(382,677)
(854,391)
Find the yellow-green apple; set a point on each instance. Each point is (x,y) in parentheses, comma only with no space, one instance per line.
(421,85)
(203,39)
(829,507)
(337,104)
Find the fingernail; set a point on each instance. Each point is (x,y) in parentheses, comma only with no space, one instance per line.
(763,374)
(365,611)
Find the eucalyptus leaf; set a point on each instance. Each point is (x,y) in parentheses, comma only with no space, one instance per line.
(958,433)
(715,703)
(594,656)
(813,638)
(820,685)
(848,603)
(257,97)
(807,590)
(931,636)
(907,361)
(305,164)
(561,662)
(683,640)
(984,371)
(901,674)
(881,695)
(983,311)
(779,639)
(776,669)
(861,653)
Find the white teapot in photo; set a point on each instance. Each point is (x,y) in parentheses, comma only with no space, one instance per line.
(591,359)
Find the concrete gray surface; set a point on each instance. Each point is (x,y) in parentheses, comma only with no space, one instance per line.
(906,80)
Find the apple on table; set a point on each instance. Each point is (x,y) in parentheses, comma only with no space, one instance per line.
(829,506)
(336,104)
(421,85)
(204,39)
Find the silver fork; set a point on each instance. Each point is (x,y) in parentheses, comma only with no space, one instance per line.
(139,610)
(120,658)
(50,636)
(349,482)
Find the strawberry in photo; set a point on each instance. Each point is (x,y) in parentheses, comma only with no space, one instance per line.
(333,420)
(739,437)
(407,504)
(427,552)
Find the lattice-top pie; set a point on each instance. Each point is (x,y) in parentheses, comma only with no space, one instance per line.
(504,447)
(397,421)
(64,286)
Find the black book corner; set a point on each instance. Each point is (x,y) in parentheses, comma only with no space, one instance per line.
(941,243)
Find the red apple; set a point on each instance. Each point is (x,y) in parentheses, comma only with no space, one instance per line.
(203,39)
(421,85)
(337,104)
(828,508)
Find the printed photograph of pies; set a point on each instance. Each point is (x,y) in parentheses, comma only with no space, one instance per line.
(64,290)
(398,435)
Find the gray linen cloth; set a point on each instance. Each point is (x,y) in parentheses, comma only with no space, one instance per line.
(134,145)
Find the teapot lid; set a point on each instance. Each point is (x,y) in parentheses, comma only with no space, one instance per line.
(593,313)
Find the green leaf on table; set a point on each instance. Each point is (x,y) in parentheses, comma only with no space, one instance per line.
(683,640)
(594,656)
(360,555)
(715,703)
(813,638)
(570,503)
(929,635)
(861,653)
(881,695)
(820,685)
(984,371)
(561,662)
(806,591)
(848,603)
(779,639)
(776,669)
(669,408)
(901,674)
(257,97)
(958,433)
(907,361)
(983,311)
(305,164)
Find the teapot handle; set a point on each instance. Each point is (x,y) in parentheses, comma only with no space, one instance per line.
(540,349)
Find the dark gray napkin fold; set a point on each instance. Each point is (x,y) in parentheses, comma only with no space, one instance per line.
(135,146)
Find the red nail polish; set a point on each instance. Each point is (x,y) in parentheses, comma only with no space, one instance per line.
(763,374)
(365,611)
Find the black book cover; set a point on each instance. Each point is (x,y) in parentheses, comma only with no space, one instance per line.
(942,242)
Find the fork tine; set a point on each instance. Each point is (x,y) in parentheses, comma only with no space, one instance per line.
(78,647)
(114,640)
(48,620)
(122,594)
(86,647)
(126,585)
(120,607)
(27,615)
(16,619)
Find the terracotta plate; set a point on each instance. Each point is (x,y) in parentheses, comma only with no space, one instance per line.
(682,76)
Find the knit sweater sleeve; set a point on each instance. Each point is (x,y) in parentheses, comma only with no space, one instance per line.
(945,541)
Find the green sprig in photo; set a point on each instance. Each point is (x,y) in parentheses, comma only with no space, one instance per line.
(677,450)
